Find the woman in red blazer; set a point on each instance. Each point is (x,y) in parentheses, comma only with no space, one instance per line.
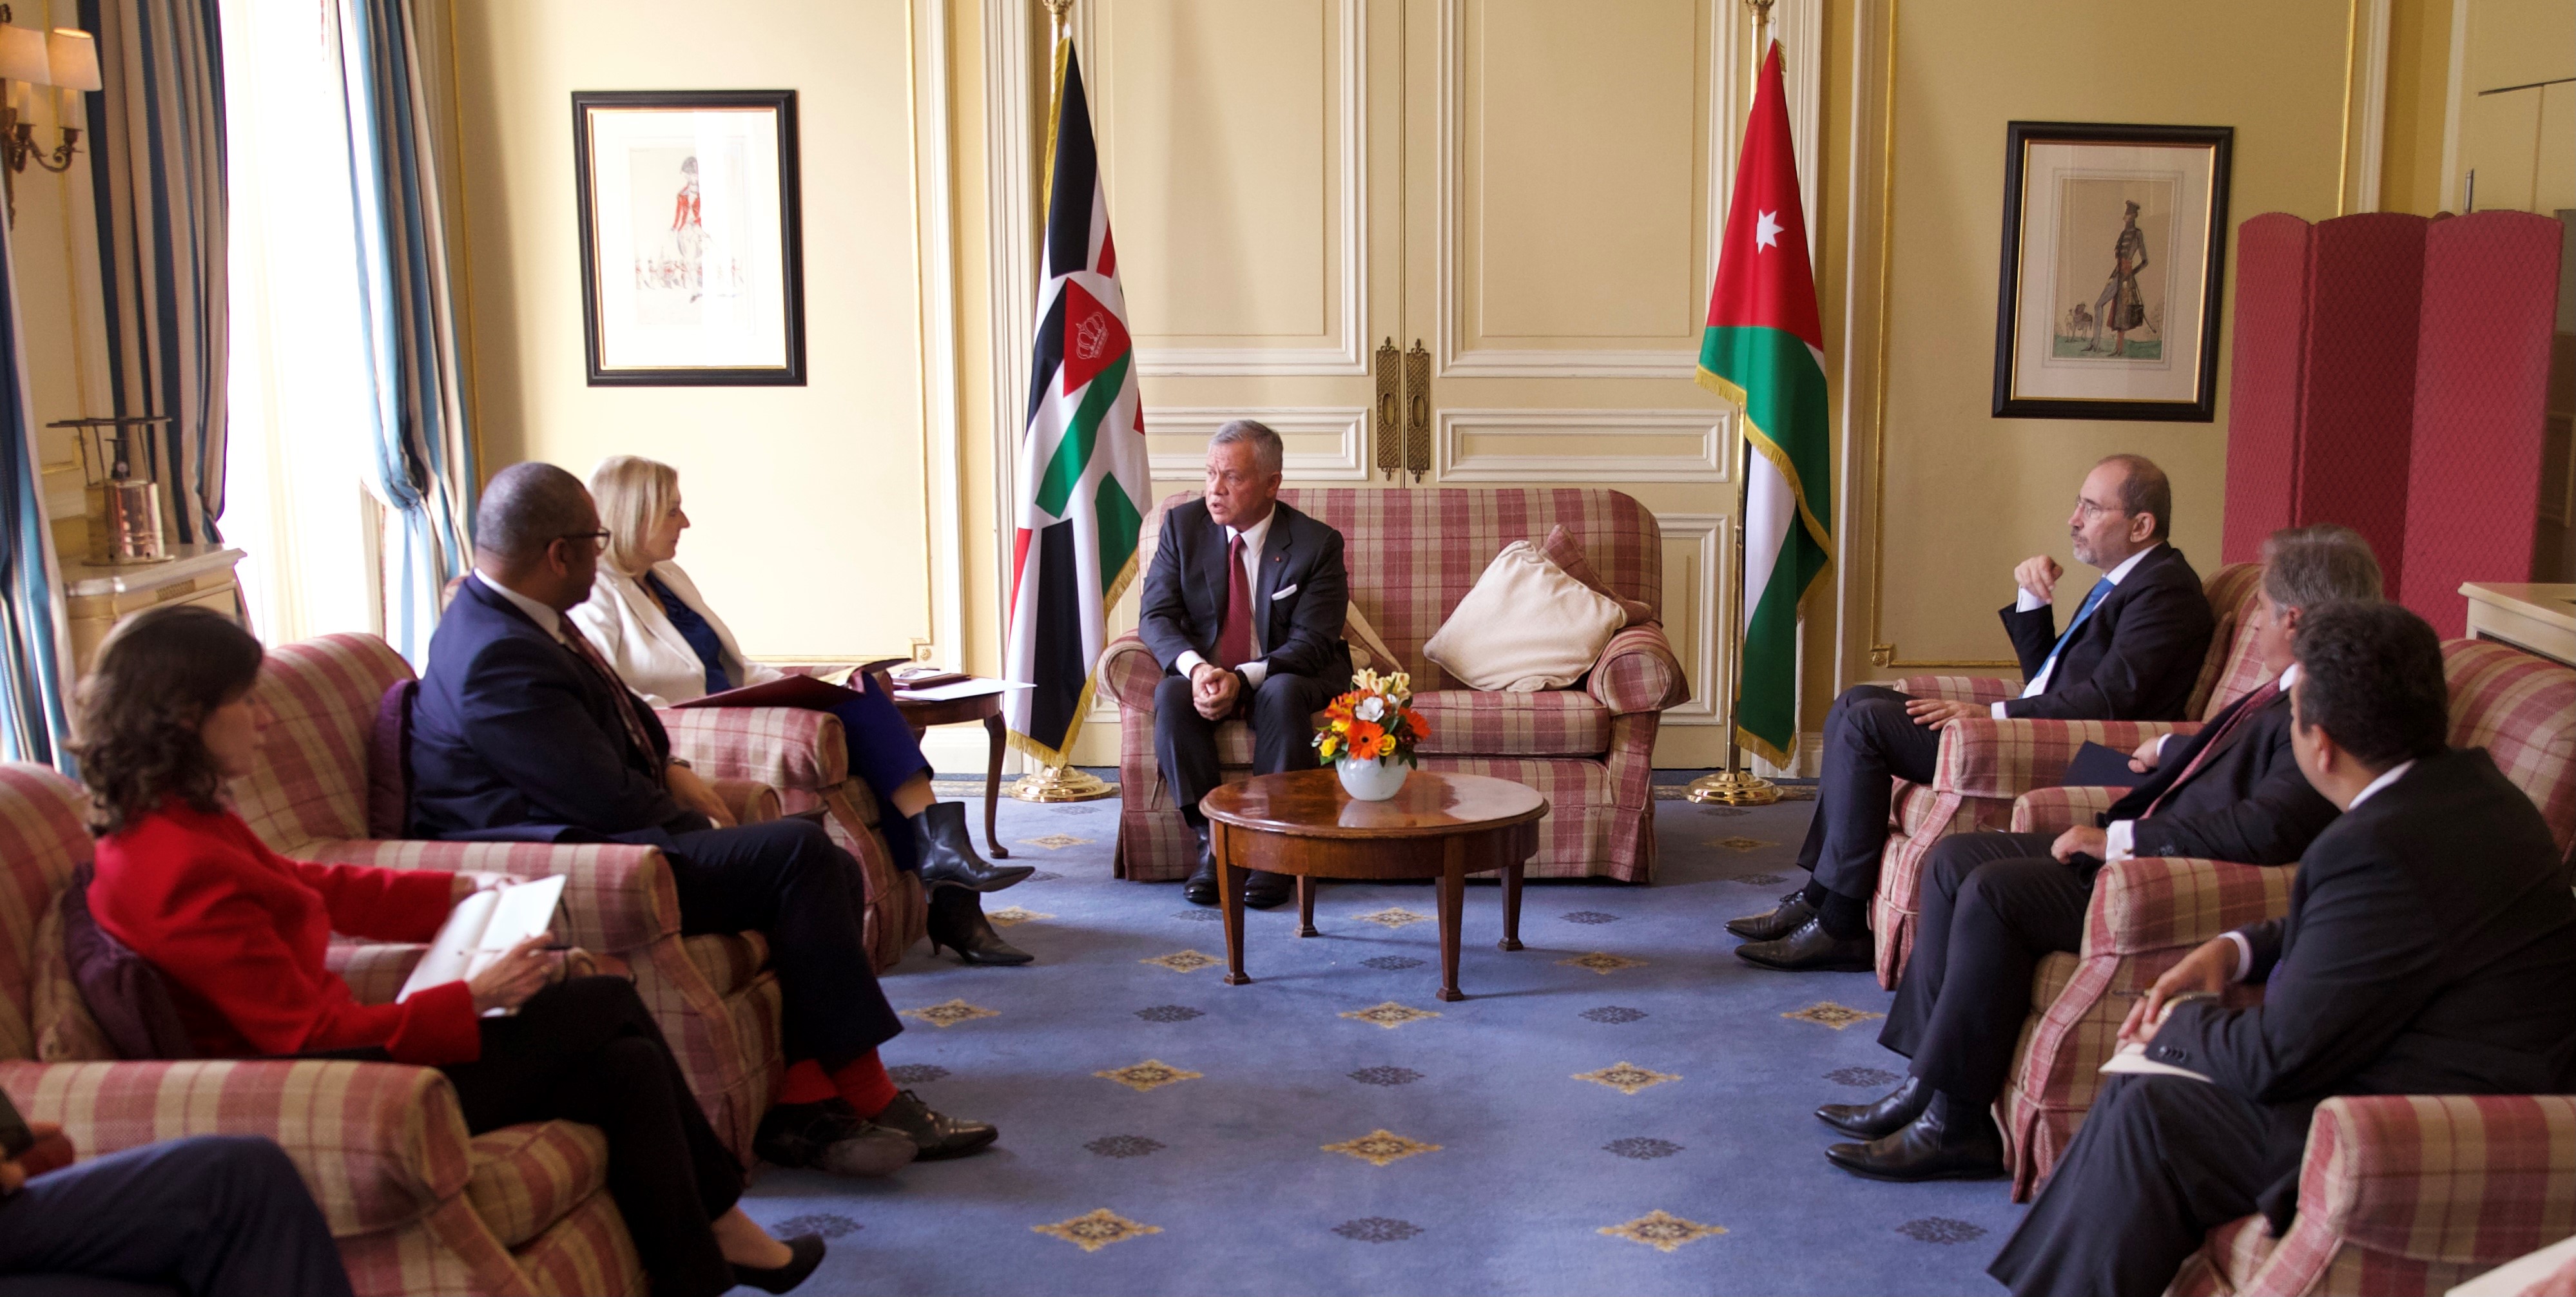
(239,933)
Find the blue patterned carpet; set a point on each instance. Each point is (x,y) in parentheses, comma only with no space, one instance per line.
(1622,1107)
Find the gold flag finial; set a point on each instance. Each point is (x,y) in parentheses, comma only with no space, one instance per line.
(1060,12)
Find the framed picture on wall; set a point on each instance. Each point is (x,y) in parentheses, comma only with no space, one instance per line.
(692,259)
(2115,237)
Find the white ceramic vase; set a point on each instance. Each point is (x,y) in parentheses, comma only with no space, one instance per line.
(1373,780)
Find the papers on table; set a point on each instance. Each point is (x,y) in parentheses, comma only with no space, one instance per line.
(2132,1059)
(961,689)
(481,929)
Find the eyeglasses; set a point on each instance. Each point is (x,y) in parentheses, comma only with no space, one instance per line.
(2090,511)
(598,539)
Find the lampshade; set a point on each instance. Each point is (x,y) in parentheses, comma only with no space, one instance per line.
(22,55)
(73,58)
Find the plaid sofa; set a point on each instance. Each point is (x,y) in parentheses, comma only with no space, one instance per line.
(416,1205)
(2146,914)
(1412,555)
(310,799)
(1985,764)
(2407,1194)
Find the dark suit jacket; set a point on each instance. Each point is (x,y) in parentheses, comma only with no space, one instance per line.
(2430,948)
(2248,803)
(1301,632)
(2135,659)
(511,735)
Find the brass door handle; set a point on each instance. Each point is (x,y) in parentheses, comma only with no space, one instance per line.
(1390,379)
(1417,414)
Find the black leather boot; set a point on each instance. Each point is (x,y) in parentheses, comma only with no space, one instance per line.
(957,921)
(1890,1113)
(1942,1144)
(1201,887)
(948,855)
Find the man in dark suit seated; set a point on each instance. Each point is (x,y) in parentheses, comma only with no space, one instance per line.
(522,732)
(1243,607)
(2430,948)
(2131,652)
(1993,903)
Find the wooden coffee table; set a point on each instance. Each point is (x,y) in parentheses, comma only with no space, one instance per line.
(1443,826)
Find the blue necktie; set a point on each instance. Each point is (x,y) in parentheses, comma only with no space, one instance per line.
(2092,598)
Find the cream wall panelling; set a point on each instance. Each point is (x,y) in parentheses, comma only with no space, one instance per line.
(1178,435)
(953,747)
(1696,557)
(1565,446)
(2369,97)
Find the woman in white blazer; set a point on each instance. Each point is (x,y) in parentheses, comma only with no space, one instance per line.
(648,619)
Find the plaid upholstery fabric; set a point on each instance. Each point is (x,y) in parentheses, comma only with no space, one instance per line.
(527,1177)
(374,970)
(43,838)
(2233,1253)
(729,960)
(1412,556)
(65,1031)
(586,1252)
(1964,689)
(750,800)
(2229,674)
(448,1251)
(2411,1193)
(311,784)
(2055,810)
(2522,710)
(616,897)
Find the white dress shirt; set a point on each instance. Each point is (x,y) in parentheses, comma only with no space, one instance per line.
(2244,948)
(2118,837)
(2025,601)
(547,619)
(1254,672)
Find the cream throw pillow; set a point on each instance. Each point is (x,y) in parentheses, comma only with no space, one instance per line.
(1526,626)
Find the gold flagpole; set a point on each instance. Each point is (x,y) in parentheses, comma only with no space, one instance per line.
(1736,786)
(1063,782)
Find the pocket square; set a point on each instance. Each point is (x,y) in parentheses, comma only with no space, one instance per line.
(1283,592)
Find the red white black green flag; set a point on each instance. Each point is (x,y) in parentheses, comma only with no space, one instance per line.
(1764,350)
(1082,469)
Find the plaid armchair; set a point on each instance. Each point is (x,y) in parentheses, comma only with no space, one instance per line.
(1412,556)
(1985,764)
(416,1205)
(330,787)
(2146,914)
(2406,1194)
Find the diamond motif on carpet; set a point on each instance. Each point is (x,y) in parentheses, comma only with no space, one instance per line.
(1626,1077)
(1377,1229)
(1014,915)
(1390,1015)
(1613,1013)
(1826,1013)
(1941,1229)
(1123,1146)
(1763,880)
(1591,916)
(823,1223)
(1394,917)
(1740,845)
(951,1013)
(1169,1013)
(1057,841)
(1097,1230)
(1858,1076)
(1391,963)
(1662,1231)
(1380,1147)
(1641,1149)
(917,1073)
(1182,961)
(1602,962)
(1386,1076)
(1199,916)
(1152,1074)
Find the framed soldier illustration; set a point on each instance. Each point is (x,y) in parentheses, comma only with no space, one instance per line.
(692,253)
(2115,237)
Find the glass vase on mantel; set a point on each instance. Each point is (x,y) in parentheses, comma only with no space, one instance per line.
(1369,734)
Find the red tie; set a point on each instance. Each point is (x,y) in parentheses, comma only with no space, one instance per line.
(1234,637)
(2254,702)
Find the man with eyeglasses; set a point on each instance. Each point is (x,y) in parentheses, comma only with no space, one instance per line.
(2131,650)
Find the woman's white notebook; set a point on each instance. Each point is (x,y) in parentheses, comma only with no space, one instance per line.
(481,929)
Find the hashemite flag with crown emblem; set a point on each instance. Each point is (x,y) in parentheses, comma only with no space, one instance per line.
(1764,350)
(1082,469)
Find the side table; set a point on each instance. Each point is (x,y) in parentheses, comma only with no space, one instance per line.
(922,713)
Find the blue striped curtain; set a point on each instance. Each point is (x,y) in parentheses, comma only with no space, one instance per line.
(156,152)
(33,651)
(424,460)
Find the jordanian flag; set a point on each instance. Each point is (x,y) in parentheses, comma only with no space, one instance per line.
(1764,350)
(1082,477)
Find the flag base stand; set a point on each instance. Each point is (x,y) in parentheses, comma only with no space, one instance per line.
(1061,784)
(1733,788)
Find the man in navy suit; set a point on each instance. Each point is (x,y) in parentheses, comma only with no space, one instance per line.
(2131,652)
(1243,607)
(522,732)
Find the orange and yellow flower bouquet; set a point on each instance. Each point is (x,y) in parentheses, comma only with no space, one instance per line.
(1375,720)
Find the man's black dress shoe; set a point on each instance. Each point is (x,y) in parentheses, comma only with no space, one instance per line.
(939,1137)
(1201,887)
(1772,925)
(830,1136)
(1928,1150)
(957,921)
(1811,950)
(805,1251)
(1264,890)
(1890,1113)
(948,855)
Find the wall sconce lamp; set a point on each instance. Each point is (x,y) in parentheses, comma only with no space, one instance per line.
(64,58)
